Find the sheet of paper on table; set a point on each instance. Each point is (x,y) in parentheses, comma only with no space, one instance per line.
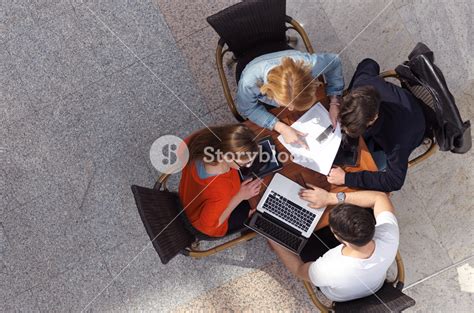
(320,155)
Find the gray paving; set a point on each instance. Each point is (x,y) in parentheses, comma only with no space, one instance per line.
(87,86)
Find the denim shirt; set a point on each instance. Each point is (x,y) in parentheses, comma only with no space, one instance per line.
(255,73)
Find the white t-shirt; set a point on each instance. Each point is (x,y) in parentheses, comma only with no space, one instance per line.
(343,278)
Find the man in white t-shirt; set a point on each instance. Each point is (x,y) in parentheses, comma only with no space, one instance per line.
(357,267)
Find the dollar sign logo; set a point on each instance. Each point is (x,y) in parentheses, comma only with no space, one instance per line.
(169,154)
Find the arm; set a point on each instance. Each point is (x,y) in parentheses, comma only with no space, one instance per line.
(329,65)
(216,211)
(248,106)
(390,180)
(366,69)
(292,262)
(234,202)
(248,189)
(376,200)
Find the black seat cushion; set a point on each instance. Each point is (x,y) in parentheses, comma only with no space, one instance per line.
(248,24)
(262,49)
(388,300)
(201,236)
(159,212)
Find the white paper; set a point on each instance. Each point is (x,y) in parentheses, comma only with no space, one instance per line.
(320,156)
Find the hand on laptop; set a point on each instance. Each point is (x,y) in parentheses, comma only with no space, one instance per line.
(249,188)
(291,135)
(317,197)
(337,176)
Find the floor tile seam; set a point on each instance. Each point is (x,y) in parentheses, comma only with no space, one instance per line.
(170,29)
(70,268)
(195,85)
(2,229)
(439,272)
(224,284)
(436,240)
(29,290)
(111,276)
(56,186)
(210,103)
(36,229)
(364,28)
(436,229)
(10,206)
(418,191)
(400,19)
(393,35)
(439,240)
(187,36)
(88,187)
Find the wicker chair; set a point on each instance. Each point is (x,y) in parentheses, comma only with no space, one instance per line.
(250,29)
(161,213)
(389,298)
(429,143)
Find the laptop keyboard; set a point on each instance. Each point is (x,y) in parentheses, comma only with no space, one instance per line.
(278,233)
(289,211)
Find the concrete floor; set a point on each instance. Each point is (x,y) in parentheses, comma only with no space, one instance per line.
(87,86)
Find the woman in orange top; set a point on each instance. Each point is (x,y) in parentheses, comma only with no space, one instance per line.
(214,199)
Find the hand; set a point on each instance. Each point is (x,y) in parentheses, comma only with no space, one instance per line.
(249,188)
(317,197)
(337,176)
(291,135)
(334,113)
(251,212)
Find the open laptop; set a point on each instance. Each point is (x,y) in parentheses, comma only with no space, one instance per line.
(283,217)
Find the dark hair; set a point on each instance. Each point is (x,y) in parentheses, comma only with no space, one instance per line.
(358,109)
(352,223)
(234,138)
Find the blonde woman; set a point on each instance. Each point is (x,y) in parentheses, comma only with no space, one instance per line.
(287,78)
(210,189)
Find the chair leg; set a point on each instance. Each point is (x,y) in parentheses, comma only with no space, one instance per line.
(195,245)
(400,279)
(196,253)
(231,61)
(225,85)
(314,298)
(431,150)
(292,40)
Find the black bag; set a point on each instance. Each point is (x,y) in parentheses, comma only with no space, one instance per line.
(426,81)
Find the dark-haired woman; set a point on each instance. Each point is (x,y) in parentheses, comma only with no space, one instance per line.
(214,198)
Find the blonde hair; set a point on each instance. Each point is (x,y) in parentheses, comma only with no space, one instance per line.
(291,82)
(237,139)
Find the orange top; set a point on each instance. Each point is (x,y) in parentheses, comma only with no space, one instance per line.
(206,199)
